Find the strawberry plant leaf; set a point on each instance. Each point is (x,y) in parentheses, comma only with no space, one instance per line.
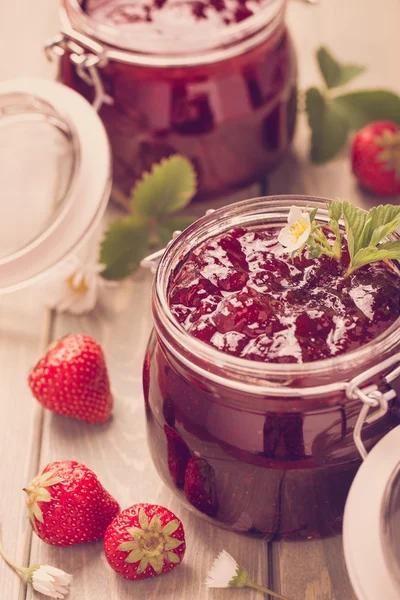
(387,251)
(384,230)
(367,106)
(379,223)
(124,245)
(168,187)
(329,128)
(334,73)
(335,210)
(166,227)
(355,220)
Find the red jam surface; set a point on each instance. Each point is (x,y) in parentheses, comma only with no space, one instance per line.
(162,15)
(242,293)
(233,117)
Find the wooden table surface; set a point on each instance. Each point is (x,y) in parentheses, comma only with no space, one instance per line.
(362,31)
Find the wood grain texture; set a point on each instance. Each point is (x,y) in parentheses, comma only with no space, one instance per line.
(21,323)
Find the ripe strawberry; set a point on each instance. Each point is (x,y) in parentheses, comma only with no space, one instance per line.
(143,541)
(375,156)
(200,486)
(178,455)
(68,505)
(72,380)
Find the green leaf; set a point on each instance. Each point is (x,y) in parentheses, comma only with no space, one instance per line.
(167,227)
(329,128)
(387,251)
(143,520)
(170,527)
(366,106)
(337,245)
(173,543)
(354,219)
(134,556)
(124,246)
(168,187)
(155,524)
(381,221)
(315,251)
(157,563)
(127,546)
(334,73)
(312,214)
(173,558)
(335,210)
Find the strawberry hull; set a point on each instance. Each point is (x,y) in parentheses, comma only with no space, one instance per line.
(144,541)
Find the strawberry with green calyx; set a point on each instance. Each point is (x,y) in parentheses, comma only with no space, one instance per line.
(375,156)
(143,541)
(72,380)
(68,505)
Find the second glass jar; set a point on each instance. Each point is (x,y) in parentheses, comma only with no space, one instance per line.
(227,101)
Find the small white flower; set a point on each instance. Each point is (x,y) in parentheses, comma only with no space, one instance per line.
(297,232)
(50,581)
(223,571)
(76,286)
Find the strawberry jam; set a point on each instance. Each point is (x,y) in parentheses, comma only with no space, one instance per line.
(245,375)
(183,79)
(241,293)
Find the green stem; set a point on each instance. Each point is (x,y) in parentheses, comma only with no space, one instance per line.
(322,239)
(9,562)
(260,588)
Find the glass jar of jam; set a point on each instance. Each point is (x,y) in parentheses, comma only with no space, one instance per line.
(258,367)
(214,80)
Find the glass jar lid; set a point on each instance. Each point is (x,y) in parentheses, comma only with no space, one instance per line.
(371,527)
(55,177)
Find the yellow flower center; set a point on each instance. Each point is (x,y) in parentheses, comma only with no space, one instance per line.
(298,228)
(82,286)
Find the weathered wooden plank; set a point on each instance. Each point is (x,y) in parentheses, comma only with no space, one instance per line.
(118,452)
(21,320)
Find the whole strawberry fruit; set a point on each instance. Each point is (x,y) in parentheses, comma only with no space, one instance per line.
(68,505)
(72,380)
(143,541)
(375,156)
(200,489)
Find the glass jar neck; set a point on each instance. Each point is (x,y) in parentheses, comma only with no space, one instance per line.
(180,46)
(238,373)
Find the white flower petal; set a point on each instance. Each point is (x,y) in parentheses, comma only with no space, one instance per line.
(303,238)
(51,581)
(222,571)
(286,237)
(294,215)
(60,575)
(296,233)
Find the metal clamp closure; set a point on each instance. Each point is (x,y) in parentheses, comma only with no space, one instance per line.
(87,56)
(371,397)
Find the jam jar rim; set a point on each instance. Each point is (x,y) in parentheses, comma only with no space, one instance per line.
(196,353)
(227,43)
